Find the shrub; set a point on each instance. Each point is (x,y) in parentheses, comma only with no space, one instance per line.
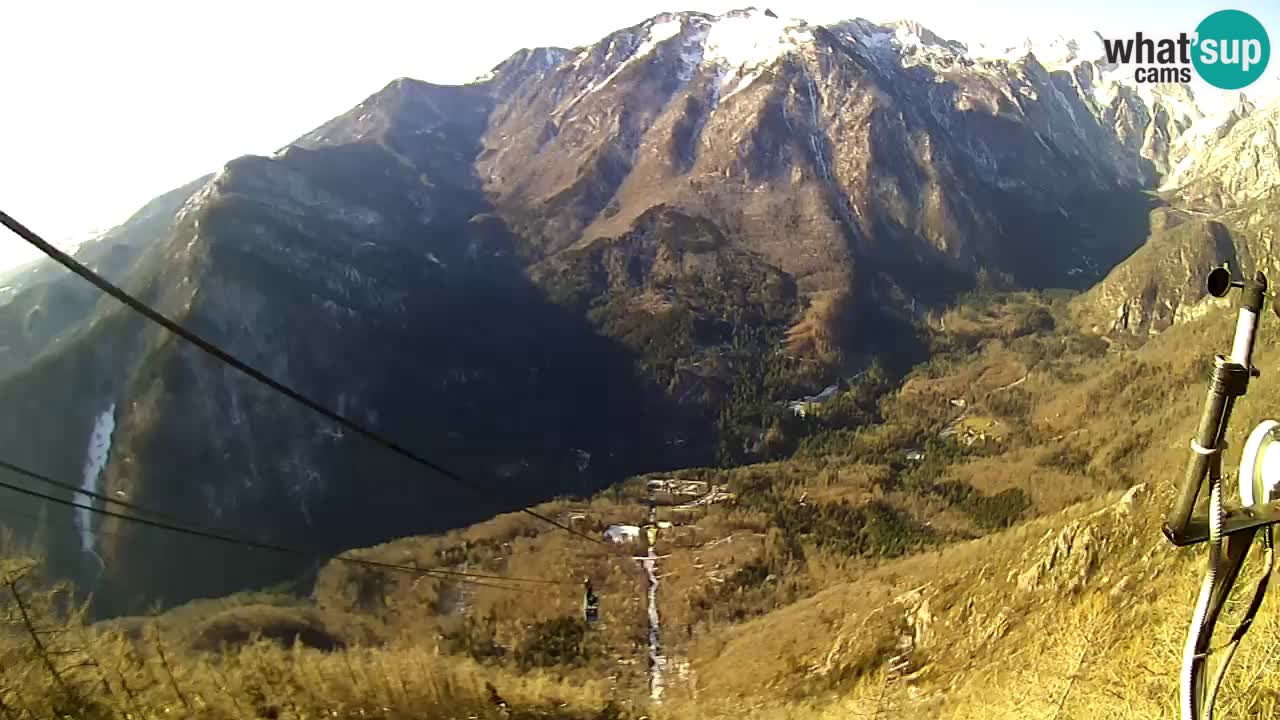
(1067,458)
(873,528)
(559,641)
(1086,345)
(1030,348)
(997,511)
(1035,319)
(237,626)
(1012,403)
(475,638)
(753,574)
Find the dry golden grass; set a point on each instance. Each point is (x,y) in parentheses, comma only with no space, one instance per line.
(816,333)
(688,574)
(1106,645)
(403,607)
(54,665)
(836,645)
(1050,488)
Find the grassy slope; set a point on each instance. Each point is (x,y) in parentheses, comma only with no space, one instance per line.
(771,609)
(1010,628)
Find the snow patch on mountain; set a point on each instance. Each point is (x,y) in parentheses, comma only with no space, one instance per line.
(199,197)
(1054,53)
(540,61)
(658,31)
(1198,139)
(749,39)
(743,83)
(654,32)
(1238,160)
(736,45)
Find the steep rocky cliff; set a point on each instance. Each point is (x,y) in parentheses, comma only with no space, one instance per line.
(1223,198)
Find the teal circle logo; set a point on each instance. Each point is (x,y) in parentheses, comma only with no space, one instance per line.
(1232,49)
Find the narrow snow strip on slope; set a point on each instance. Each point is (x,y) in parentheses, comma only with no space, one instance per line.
(95,460)
(657,661)
(743,84)
(1066,105)
(658,32)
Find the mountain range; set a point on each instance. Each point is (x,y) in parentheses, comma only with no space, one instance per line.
(594,262)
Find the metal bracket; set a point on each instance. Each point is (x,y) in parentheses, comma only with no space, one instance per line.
(1237,520)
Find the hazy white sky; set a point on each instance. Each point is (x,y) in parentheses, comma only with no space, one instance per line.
(107,104)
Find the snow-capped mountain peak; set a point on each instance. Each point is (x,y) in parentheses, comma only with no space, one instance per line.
(746,39)
(1057,52)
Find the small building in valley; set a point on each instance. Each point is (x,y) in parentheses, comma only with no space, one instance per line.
(808,404)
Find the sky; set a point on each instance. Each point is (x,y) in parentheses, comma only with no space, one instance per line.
(105,105)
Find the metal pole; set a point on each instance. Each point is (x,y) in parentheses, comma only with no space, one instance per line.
(1217,408)
(1229,381)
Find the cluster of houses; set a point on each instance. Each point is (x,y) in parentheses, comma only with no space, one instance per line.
(677,486)
(697,495)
